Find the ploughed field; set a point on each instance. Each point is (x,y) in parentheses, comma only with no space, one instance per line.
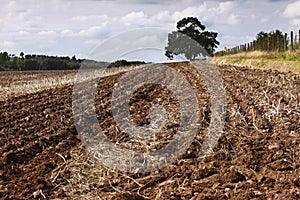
(258,155)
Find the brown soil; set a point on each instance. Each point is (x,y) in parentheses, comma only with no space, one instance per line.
(258,156)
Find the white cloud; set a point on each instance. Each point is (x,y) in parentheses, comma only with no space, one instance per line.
(225,7)
(22,33)
(92,31)
(253,16)
(295,22)
(292,13)
(88,18)
(46,33)
(134,18)
(161,16)
(67,32)
(232,19)
(79,18)
(131,41)
(7,44)
(190,11)
(11,4)
(232,41)
(148,40)
(92,41)
(264,19)
(292,10)
(221,13)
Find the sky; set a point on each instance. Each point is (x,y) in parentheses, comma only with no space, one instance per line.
(79,27)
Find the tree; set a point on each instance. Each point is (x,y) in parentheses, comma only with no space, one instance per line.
(4,57)
(22,54)
(21,61)
(191,40)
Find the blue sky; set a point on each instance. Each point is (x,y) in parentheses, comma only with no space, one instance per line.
(74,27)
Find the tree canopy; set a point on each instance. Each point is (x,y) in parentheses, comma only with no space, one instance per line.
(191,40)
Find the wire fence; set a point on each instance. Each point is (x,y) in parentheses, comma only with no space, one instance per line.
(275,41)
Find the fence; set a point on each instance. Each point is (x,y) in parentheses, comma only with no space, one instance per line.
(271,42)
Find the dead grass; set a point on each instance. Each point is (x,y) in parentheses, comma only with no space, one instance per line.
(17,83)
(84,173)
(281,61)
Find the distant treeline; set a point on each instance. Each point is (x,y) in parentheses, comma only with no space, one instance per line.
(37,62)
(121,63)
(23,62)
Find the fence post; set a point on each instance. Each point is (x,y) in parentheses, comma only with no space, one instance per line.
(285,42)
(273,41)
(268,44)
(256,45)
(292,40)
(299,40)
(278,42)
(295,40)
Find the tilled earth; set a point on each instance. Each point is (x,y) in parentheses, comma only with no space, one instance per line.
(258,155)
